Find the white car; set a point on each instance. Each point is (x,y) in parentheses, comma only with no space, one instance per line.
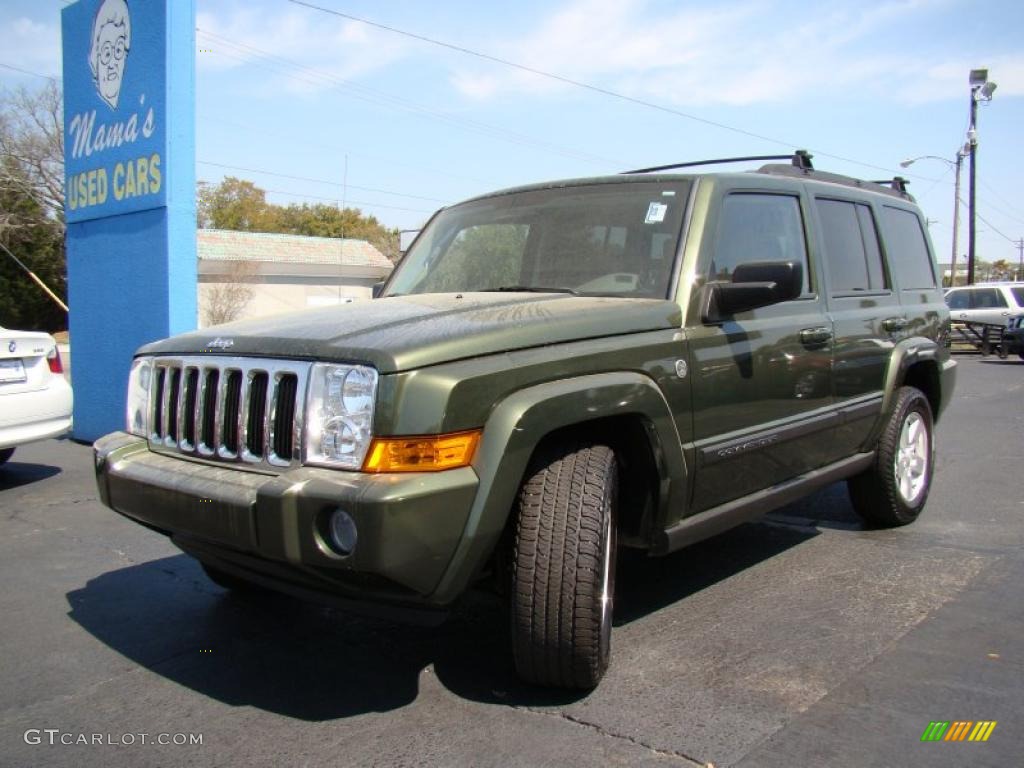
(35,398)
(995,303)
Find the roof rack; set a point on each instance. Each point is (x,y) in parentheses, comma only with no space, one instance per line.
(801,159)
(896,187)
(799,165)
(897,183)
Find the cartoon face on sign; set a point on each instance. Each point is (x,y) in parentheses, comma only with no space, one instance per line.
(111,39)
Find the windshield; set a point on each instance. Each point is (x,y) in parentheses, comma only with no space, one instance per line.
(617,239)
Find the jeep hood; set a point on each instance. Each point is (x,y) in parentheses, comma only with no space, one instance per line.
(402,333)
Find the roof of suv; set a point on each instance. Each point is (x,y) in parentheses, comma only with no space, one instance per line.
(799,169)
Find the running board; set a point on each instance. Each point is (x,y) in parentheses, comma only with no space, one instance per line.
(718,519)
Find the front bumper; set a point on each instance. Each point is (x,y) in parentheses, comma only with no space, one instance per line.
(269,528)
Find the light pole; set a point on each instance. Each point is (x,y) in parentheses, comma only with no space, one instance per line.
(981,90)
(960,154)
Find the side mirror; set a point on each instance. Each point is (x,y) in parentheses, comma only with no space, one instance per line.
(754,284)
(378,289)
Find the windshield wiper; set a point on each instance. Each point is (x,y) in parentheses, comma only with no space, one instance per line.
(529,289)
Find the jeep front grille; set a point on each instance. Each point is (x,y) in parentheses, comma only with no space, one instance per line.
(229,409)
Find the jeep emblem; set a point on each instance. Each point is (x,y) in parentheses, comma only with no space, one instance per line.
(220,343)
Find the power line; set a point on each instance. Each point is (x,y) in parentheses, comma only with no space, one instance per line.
(349,202)
(580,84)
(29,72)
(319,181)
(380,97)
(1002,200)
(332,148)
(990,224)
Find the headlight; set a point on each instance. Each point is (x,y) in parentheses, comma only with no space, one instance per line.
(137,410)
(339,414)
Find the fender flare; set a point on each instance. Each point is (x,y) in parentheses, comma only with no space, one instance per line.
(907,352)
(518,424)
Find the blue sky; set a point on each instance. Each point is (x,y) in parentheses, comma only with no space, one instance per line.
(304,94)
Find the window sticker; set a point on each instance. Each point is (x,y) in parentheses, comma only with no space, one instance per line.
(656,213)
(669,193)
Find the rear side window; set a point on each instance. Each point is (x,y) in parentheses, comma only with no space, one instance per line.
(1018,296)
(757,227)
(987,298)
(907,247)
(959,300)
(851,247)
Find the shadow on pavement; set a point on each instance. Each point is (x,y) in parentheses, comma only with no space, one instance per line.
(14,473)
(317,663)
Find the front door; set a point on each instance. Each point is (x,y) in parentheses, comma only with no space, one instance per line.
(762,380)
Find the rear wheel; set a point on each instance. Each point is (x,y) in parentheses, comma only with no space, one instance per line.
(563,566)
(5,455)
(893,491)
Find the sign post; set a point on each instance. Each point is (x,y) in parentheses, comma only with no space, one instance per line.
(129,164)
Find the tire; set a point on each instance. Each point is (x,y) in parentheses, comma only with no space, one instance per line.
(5,455)
(894,490)
(563,566)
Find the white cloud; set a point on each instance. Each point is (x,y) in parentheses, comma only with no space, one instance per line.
(736,53)
(327,49)
(33,46)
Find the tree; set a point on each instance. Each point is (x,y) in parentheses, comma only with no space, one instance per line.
(226,300)
(32,207)
(32,144)
(1000,270)
(233,204)
(241,205)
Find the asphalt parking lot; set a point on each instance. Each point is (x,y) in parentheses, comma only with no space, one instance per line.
(799,640)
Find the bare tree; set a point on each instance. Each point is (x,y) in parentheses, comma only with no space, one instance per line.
(32,151)
(224,301)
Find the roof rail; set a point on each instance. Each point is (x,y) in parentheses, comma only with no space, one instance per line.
(800,159)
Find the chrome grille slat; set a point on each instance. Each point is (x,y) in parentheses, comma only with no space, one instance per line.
(229,409)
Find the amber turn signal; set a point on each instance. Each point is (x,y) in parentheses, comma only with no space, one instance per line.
(421,454)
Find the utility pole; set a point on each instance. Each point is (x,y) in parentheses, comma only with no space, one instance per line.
(956,218)
(981,90)
(1020,259)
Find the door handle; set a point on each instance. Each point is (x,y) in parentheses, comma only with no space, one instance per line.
(894,324)
(815,335)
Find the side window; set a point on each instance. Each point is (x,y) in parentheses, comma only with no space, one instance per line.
(959,300)
(909,257)
(851,246)
(758,227)
(987,298)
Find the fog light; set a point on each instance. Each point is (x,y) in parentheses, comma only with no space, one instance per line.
(342,530)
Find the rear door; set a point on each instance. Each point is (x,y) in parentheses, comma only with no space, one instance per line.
(864,309)
(761,380)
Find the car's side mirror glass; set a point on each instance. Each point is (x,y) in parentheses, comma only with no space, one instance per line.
(754,284)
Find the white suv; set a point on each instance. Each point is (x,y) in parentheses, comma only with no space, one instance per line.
(994,303)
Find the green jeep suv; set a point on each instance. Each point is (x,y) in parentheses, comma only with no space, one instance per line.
(553,373)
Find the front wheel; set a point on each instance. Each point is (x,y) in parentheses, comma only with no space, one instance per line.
(563,566)
(893,491)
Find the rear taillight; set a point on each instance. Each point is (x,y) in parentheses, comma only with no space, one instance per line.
(53,360)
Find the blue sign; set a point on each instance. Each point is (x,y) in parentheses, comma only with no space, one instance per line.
(130,166)
(115,117)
